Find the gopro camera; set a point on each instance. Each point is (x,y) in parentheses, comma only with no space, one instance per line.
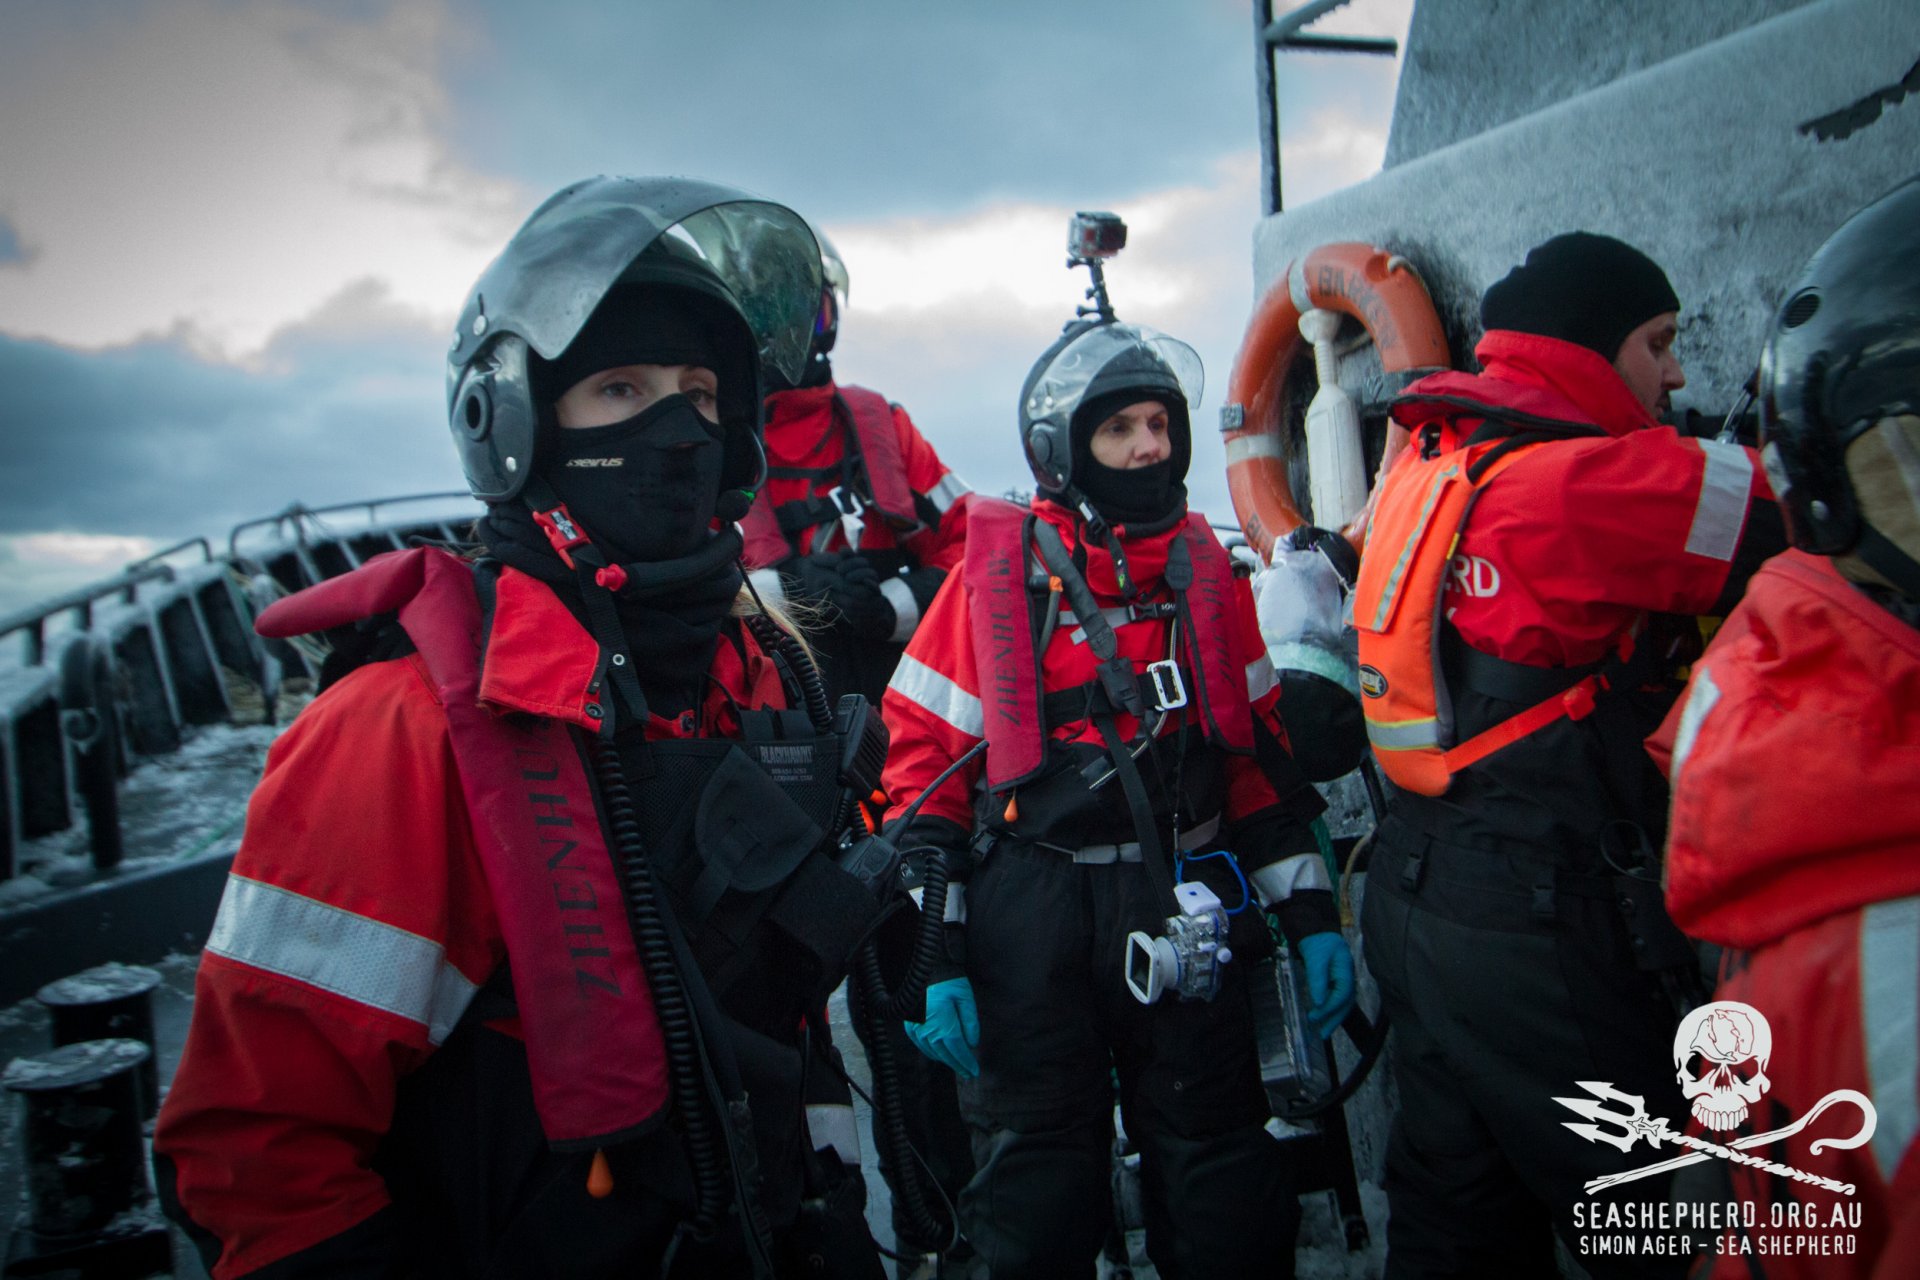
(1095,235)
(1188,959)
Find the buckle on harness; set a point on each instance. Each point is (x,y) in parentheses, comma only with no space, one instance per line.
(1579,700)
(1169,690)
(846,501)
(850,506)
(1142,612)
(561,531)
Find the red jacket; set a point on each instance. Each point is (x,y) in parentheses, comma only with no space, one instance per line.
(934,710)
(1796,837)
(806,440)
(1580,538)
(1567,552)
(288,1081)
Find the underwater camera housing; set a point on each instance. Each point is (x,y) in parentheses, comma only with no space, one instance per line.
(1093,237)
(1188,959)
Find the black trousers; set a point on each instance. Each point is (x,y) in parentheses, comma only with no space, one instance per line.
(1508,978)
(479,1194)
(1045,946)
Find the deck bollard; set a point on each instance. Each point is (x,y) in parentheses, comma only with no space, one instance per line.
(89,1211)
(108,1002)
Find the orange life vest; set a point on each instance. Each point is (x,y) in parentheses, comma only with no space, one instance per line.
(1423,509)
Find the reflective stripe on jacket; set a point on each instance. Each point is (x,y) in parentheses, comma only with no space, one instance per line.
(935,710)
(358,922)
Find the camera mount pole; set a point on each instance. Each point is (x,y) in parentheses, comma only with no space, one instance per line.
(1097,291)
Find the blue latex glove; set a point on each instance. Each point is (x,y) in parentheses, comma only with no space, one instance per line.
(952,1027)
(1329,980)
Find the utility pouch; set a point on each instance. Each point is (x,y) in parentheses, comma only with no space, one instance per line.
(760,897)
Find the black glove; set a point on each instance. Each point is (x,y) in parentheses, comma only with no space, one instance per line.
(846,584)
(1326,729)
(1338,551)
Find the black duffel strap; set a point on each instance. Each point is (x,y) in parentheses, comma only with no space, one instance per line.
(829,472)
(1116,673)
(1085,701)
(1159,872)
(1518,682)
(1508,681)
(805,513)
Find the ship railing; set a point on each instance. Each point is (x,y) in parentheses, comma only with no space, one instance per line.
(107,676)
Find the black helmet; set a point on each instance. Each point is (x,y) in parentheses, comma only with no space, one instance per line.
(1843,354)
(834,281)
(834,285)
(752,263)
(1092,360)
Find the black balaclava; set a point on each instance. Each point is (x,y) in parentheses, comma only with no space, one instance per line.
(1143,498)
(1583,288)
(644,489)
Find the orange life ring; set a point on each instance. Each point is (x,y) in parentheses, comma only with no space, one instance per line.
(1379,289)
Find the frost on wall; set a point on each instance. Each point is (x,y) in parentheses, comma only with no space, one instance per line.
(1473,65)
(1728,164)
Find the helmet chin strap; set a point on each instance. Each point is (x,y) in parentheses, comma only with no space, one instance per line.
(1109,535)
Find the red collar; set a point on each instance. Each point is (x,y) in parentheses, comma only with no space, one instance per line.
(1578,375)
(1527,374)
(539,659)
(1146,555)
(794,421)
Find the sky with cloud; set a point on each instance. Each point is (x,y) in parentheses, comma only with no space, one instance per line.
(234,233)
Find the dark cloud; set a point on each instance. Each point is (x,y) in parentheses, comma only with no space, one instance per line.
(861,110)
(149,439)
(855,112)
(11,250)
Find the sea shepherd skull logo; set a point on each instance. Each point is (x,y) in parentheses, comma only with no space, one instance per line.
(1720,1055)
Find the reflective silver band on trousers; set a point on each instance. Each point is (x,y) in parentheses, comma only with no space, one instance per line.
(1100,855)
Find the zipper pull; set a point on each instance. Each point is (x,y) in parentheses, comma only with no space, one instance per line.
(600,1177)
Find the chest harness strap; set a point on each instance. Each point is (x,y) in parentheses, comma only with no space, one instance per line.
(1123,691)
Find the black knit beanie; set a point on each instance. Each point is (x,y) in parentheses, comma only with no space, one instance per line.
(1582,288)
(638,325)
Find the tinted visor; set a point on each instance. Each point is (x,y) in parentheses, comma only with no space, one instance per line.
(1127,355)
(560,265)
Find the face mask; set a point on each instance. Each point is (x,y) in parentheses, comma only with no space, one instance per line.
(1141,495)
(643,489)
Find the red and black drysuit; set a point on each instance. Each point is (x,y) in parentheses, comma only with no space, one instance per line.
(1057,879)
(1493,922)
(420,1010)
(841,458)
(1796,844)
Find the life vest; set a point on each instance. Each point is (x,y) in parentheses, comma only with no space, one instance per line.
(995,575)
(768,529)
(594,1047)
(1422,510)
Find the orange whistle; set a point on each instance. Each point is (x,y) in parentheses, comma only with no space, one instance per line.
(1012,813)
(600,1177)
